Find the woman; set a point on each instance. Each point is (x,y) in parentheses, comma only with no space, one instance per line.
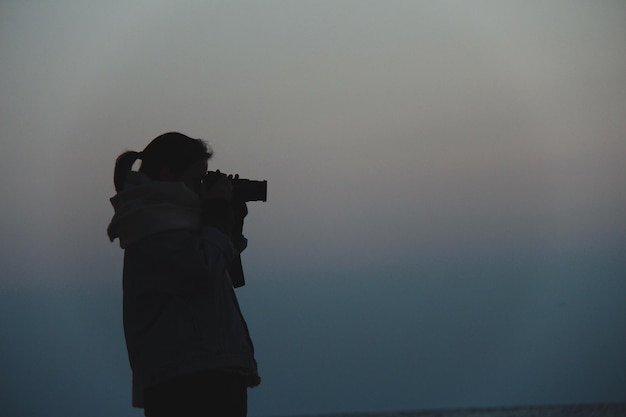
(188,344)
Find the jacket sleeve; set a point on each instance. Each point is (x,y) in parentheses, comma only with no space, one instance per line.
(217,247)
(178,262)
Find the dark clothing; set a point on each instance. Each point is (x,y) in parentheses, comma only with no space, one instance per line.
(180,311)
(201,394)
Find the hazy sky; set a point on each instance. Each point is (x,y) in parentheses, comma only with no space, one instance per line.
(446,215)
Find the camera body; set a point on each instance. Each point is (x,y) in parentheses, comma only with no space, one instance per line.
(244,190)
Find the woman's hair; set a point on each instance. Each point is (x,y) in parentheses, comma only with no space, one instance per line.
(172,151)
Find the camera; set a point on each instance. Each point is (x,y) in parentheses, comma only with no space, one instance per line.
(244,190)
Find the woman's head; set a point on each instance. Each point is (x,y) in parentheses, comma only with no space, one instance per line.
(169,157)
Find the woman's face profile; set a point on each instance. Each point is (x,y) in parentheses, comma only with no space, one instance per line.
(192,176)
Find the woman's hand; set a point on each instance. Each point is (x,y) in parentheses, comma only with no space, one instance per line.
(220,189)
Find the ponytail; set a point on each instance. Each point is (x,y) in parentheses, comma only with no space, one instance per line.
(123,165)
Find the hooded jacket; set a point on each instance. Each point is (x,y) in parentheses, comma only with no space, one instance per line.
(180,311)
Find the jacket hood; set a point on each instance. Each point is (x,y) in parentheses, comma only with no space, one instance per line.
(144,207)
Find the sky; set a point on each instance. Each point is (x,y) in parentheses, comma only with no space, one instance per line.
(446,219)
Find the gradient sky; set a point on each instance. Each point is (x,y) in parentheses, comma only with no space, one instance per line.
(446,215)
